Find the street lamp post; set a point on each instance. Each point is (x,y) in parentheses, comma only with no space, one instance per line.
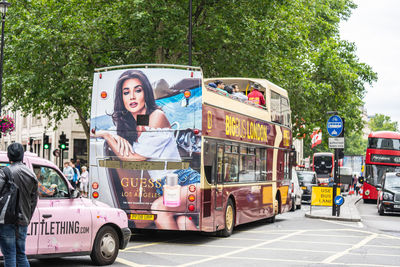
(3,9)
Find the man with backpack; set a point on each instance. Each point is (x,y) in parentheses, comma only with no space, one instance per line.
(13,231)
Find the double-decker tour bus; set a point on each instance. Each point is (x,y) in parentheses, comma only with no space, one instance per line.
(383,155)
(176,154)
(323,165)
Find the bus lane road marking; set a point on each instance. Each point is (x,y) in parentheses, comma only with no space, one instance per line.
(243,249)
(358,245)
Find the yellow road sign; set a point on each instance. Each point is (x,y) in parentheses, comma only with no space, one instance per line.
(322,195)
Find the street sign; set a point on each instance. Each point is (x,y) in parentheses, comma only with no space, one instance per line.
(56,152)
(334,126)
(336,142)
(322,195)
(339,200)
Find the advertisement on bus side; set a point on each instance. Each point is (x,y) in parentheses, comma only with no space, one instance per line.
(145,138)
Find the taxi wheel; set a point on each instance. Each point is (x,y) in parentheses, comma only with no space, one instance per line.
(381,210)
(229,219)
(105,247)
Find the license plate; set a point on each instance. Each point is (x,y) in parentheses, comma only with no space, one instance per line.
(397,206)
(142,217)
(304,187)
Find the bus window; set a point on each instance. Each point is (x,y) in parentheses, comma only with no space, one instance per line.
(285,110)
(275,107)
(231,167)
(247,166)
(262,164)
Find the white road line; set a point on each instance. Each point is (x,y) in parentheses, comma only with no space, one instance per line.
(350,224)
(243,249)
(358,245)
(128,263)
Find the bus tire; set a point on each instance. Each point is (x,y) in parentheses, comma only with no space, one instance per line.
(229,219)
(105,247)
(271,219)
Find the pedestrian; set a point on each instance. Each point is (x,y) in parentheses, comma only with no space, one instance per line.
(357,188)
(68,172)
(75,176)
(84,181)
(78,165)
(256,96)
(13,236)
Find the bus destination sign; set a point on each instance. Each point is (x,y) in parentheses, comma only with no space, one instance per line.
(385,158)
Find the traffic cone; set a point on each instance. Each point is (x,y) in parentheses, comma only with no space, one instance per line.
(351,191)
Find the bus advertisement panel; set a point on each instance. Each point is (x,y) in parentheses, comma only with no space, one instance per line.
(383,155)
(323,165)
(145,148)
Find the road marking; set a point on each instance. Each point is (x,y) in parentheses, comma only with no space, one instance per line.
(243,249)
(142,246)
(351,224)
(129,263)
(358,245)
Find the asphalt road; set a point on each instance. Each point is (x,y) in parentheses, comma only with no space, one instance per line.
(292,240)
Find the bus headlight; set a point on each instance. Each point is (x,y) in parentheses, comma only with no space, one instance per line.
(387,196)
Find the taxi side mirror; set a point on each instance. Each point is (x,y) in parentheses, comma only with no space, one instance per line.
(75,193)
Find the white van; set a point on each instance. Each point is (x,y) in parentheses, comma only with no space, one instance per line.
(296,191)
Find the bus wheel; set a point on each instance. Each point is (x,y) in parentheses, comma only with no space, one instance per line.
(229,219)
(105,247)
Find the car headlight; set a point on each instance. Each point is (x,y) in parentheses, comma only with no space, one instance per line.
(387,196)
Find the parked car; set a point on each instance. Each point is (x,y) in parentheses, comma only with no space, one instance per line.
(307,179)
(389,193)
(296,191)
(65,224)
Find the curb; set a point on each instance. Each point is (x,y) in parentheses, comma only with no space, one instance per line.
(332,218)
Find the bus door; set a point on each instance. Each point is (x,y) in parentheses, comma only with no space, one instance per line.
(218,182)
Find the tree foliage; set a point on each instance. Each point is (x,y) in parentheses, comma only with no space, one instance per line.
(382,122)
(53,47)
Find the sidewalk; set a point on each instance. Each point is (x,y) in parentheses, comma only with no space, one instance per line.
(348,211)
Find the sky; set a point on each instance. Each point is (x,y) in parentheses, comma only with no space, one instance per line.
(374,27)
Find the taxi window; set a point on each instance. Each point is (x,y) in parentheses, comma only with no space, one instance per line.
(50,183)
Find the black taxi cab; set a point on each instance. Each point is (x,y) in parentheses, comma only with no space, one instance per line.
(389,193)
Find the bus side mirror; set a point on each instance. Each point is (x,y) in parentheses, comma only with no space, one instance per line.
(378,186)
(361,180)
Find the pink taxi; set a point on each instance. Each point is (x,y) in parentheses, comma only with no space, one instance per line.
(65,224)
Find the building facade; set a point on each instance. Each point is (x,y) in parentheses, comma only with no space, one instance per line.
(30,131)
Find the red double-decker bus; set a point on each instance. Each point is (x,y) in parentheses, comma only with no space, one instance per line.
(383,155)
(177,154)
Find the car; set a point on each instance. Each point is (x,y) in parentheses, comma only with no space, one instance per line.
(307,179)
(389,193)
(66,224)
(296,191)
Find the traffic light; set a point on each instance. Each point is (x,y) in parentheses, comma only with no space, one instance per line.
(46,144)
(66,144)
(62,141)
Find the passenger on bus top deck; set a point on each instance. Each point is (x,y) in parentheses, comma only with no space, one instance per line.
(228,89)
(219,84)
(256,96)
(237,93)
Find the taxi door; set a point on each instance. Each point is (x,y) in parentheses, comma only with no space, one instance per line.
(64,221)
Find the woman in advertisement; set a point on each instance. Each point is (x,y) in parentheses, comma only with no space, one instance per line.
(134,97)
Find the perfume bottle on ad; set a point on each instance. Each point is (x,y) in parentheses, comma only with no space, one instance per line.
(172,191)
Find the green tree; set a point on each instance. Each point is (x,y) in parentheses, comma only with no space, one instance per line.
(382,122)
(355,144)
(53,47)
